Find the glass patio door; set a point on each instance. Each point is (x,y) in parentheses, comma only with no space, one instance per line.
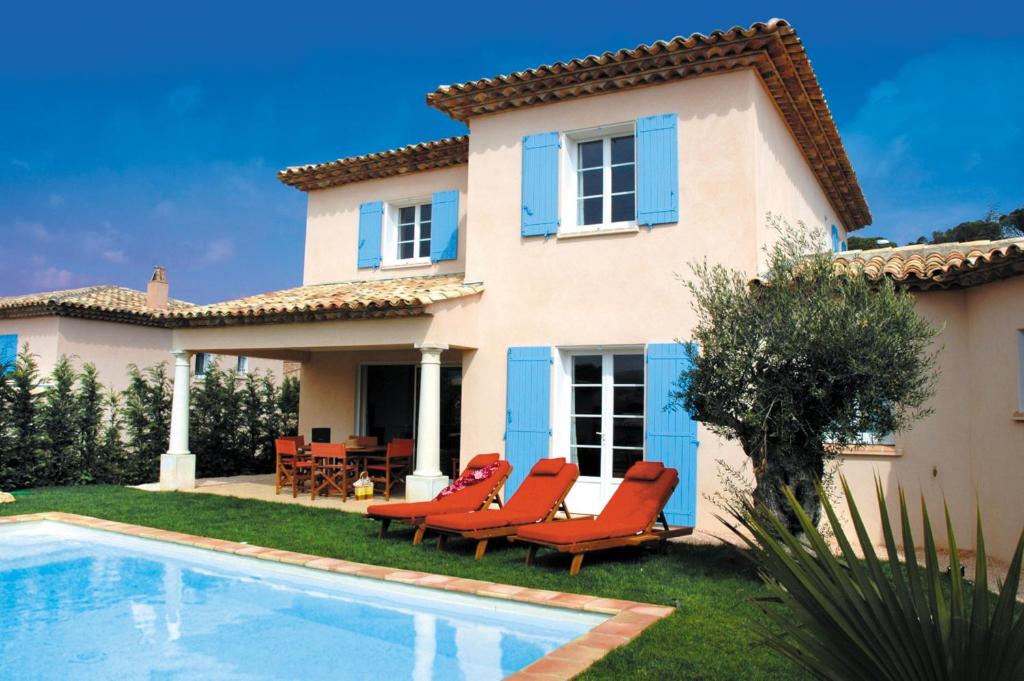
(606,419)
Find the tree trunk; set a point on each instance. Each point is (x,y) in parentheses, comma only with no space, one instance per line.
(799,473)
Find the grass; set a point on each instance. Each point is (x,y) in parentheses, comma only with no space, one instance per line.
(710,637)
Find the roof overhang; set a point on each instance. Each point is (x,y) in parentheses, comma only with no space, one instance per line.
(443,153)
(771,49)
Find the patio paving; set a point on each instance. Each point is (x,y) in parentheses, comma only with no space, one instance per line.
(261,487)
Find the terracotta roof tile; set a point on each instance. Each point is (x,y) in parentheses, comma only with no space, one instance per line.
(772,49)
(414,157)
(99,302)
(938,265)
(403,296)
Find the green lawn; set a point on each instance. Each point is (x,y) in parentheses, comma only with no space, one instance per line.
(710,637)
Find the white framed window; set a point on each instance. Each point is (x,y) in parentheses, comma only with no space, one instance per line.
(599,185)
(203,362)
(407,233)
(242,366)
(606,412)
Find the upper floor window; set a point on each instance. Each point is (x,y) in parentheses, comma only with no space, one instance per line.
(409,233)
(602,166)
(242,367)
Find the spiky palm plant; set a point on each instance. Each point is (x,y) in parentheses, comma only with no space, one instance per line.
(847,617)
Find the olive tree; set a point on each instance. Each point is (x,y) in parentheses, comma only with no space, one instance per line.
(796,364)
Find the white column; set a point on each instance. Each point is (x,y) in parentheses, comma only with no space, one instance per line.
(427,480)
(178,466)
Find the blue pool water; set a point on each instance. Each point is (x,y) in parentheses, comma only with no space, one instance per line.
(85,604)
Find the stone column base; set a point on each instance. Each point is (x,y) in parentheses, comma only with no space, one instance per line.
(424,487)
(177,471)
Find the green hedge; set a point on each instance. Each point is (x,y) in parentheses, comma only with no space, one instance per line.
(70,430)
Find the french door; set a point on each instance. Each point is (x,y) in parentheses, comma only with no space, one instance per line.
(606,421)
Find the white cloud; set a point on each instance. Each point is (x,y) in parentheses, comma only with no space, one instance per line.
(33,230)
(56,199)
(218,251)
(116,256)
(52,278)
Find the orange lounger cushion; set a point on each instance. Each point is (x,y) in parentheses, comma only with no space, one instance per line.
(630,511)
(573,531)
(544,487)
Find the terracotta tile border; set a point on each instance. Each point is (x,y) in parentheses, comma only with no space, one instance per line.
(628,619)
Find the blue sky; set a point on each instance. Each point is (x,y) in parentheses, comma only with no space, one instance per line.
(145,133)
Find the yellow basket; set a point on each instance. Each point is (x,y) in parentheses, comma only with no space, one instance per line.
(363,487)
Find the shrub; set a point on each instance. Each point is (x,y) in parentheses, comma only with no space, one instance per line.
(849,618)
(70,431)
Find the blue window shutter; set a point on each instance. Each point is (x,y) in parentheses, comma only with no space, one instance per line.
(370,218)
(527,411)
(835,239)
(8,352)
(444,226)
(671,430)
(657,170)
(540,184)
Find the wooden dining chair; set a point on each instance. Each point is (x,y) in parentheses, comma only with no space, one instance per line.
(331,470)
(392,468)
(291,470)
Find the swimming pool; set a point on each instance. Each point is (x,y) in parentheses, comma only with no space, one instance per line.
(78,603)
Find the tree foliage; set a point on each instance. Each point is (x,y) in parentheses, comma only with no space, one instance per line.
(69,430)
(801,362)
(992,227)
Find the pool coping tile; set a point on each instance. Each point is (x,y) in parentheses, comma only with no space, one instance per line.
(626,621)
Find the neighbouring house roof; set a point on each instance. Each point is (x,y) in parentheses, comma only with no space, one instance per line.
(398,297)
(772,49)
(423,156)
(929,266)
(104,302)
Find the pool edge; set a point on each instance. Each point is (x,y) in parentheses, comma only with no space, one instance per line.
(628,619)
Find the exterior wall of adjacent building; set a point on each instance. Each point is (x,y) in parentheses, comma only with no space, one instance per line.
(40,334)
(970,451)
(110,346)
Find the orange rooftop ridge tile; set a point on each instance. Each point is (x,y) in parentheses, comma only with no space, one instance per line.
(928,266)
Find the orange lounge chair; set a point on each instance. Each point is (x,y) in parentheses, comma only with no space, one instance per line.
(627,520)
(537,500)
(471,498)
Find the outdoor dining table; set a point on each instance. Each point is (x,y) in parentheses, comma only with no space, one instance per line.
(362,454)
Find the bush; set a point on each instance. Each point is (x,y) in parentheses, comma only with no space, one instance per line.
(68,430)
(849,618)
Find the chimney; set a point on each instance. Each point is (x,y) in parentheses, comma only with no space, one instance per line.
(156,290)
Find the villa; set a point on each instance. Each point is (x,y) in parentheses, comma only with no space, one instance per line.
(516,289)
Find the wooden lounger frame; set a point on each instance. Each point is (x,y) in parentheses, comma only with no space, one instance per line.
(483,536)
(417,521)
(578,549)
